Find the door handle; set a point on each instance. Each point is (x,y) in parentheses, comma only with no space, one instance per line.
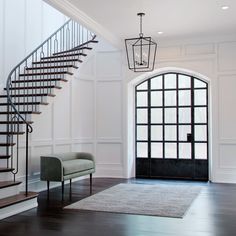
(189,138)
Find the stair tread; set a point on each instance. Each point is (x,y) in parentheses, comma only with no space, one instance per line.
(6,184)
(7,144)
(56,61)
(75,49)
(15,122)
(14,132)
(29,95)
(38,80)
(25,103)
(2,169)
(21,197)
(21,112)
(46,73)
(35,87)
(64,55)
(5,156)
(51,67)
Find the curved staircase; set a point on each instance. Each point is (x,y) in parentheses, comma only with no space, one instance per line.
(29,84)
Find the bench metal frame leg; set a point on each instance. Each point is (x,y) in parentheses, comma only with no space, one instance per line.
(48,187)
(62,190)
(91,182)
(70,187)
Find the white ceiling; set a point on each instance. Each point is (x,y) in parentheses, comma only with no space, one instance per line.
(176,18)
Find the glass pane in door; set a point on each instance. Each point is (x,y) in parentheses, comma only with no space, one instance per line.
(185,151)
(142,99)
(142,149)
(142,116)
(156,133)
(142,132)
(156,150)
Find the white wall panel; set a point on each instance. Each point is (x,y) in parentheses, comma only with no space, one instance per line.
(200,65)
(34,20)
(109,153)
(38,151)
(62,112)
(200,49)
(169,52)
(109,109)
(2,21)
(61,148)
(52,20)
(227,114)
(87,68)
(108,64)
(14,29)
(227,156)
(22,155)
(43,124)
(82,109)
(227,56)
(26,23)
(83,147)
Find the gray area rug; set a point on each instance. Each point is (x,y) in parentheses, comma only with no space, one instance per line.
(140,199)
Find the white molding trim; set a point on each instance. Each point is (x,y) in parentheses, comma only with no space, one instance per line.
(73,12)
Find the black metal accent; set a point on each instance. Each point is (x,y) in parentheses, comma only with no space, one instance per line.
(189,138)
(141,51)
(145,166)
(62,189)
(39,84)
(91,182)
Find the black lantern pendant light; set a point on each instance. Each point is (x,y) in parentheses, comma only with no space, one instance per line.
(141,52)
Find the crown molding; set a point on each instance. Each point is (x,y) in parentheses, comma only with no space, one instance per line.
(68,9)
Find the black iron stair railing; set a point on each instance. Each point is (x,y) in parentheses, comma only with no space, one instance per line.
(34,78)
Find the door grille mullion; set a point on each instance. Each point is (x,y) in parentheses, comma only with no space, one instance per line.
(149,126)
(163,117)
(192,119)
(177,114)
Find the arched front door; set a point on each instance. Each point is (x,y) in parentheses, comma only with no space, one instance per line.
(172,127)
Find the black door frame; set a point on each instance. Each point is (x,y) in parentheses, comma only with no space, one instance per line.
(198,167)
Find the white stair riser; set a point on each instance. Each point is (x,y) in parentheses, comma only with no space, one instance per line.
(5,176)
(27,116)
(47,70)
(3,128)
(10,191)
(18,208)
(42,83)
(28,107)
(23,99)
(32,91)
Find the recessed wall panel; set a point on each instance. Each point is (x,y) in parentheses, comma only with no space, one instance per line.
(61,148)
(109,110)
(109,153)
(83,147)
(43,125)
(227,156)
(37,152)
(82,109)
(227,56)
(62,112)
(227,113)
(108,64)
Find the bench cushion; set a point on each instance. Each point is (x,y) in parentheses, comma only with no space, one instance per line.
(73,166)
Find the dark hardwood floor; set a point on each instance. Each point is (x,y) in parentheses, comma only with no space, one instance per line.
(213,213)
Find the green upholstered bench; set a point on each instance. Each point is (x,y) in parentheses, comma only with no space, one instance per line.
(66,166)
